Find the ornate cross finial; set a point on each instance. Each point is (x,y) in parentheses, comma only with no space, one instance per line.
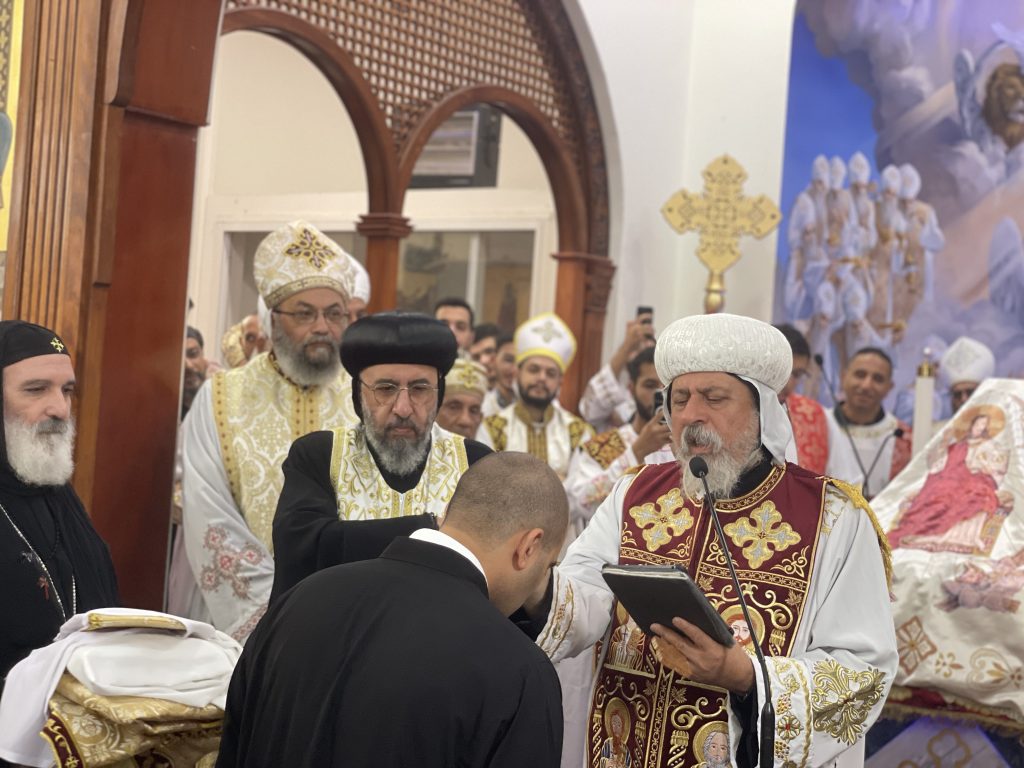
(720,214)
(57,344)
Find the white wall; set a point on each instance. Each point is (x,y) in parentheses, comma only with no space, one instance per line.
(677,85)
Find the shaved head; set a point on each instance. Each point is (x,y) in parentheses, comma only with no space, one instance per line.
(505,493)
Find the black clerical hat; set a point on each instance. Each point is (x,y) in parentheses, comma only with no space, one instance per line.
(20,340)
(389,338)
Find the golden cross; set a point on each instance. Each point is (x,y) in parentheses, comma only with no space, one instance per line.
(720,214)
(57,344)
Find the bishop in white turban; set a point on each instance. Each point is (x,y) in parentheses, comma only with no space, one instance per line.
(812,563)
(964,365)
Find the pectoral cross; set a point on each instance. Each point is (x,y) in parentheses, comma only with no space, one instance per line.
(720,214)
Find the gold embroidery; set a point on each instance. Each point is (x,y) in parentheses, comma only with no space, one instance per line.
(579,432)
(496,430)
(794,565)
(762,532)
(309,248)
(666,518)
(57,344)
(362,492)
(122,621)
(259,413)
(842,699)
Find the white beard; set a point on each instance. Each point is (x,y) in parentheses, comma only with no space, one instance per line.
(41,454)
(724,465)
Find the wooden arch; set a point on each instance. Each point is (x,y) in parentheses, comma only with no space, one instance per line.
(402,69)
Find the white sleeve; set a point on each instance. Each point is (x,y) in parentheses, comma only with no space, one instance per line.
(233,568)
(842,461)
(603,394)
(581,602)
(832,689)
(587,483)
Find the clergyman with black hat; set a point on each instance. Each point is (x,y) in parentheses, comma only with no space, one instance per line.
(242,421)
(349,491)
(53,564)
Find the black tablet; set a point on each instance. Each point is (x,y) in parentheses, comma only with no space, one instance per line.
(655,594)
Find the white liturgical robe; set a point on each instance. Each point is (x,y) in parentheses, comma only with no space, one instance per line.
(236,436)
(844,645)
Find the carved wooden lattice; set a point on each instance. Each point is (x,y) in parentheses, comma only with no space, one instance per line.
(414,52)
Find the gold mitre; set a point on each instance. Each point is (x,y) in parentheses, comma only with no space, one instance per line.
(548,336)
(466,376)
(298,256)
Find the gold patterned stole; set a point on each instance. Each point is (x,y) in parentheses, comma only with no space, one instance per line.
(364,495)
(259,412)
(654,714)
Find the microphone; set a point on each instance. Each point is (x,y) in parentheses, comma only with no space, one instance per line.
(820,362)
(766,742)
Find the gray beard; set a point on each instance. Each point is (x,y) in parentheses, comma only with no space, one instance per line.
(41,454)
(307,368)
(725,467)
(398,455)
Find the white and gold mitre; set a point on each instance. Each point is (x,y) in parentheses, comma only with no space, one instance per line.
(548,336)
(966,360)
(298,256)
(724,343)
(466,376)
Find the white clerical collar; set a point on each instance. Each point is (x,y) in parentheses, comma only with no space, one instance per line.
(444,540)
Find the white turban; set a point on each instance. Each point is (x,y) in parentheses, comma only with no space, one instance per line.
(966,360)
(819,169)
(910,181)
(299,256)
(837,172)
(860,169)
(361,286)
(755,351)
(891,179)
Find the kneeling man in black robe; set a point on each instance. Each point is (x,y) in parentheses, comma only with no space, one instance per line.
(409,659)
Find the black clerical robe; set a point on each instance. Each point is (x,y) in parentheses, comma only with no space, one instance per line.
(309,535)
(58,531)
(397,661)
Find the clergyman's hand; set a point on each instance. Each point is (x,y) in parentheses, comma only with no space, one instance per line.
(709,661)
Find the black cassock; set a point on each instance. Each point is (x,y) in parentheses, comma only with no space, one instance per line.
(308,536)
(57,530)
(397,661)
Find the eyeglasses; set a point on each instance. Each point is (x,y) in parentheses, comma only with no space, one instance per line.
(332,315)
(386,392)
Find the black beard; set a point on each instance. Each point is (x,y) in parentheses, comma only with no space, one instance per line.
(645,414)
(536,402)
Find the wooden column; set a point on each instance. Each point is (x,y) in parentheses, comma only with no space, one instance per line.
(47,248)
(113,94)
(384,233)
(581,296)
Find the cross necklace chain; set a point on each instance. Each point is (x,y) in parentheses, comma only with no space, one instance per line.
(46,571)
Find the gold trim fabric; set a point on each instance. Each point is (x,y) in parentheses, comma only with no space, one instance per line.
(364,495)
(259,412)
(84,729)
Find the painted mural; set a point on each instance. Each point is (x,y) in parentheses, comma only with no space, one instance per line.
(903,188)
